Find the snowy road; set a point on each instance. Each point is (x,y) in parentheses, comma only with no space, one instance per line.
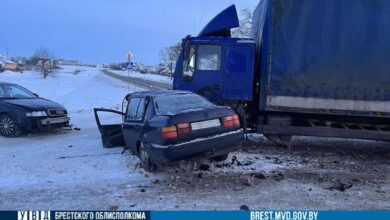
(71,170)
(143,83)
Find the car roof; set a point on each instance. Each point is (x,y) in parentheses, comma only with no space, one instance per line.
(158,93)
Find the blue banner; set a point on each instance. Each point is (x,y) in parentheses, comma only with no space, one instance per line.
(195,215)
(271,215)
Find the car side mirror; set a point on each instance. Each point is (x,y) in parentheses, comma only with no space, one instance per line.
(36,95)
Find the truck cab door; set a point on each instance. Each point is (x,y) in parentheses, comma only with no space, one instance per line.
(202,70)
(238,79)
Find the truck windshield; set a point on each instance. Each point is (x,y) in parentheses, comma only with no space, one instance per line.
(179,103)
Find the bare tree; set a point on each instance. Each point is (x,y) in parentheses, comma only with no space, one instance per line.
(44,60)
(168,58)
(246,19)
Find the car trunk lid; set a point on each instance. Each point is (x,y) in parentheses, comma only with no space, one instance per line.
(203,123)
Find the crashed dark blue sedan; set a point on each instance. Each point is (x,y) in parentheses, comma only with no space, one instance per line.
(166,126)
(23,111)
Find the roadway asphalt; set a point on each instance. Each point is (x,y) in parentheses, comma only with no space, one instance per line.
(147,84)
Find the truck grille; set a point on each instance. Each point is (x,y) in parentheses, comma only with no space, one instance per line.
(57,112)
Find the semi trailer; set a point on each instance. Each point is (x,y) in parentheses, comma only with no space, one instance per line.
(310,68)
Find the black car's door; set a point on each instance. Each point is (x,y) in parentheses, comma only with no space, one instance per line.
(133,122)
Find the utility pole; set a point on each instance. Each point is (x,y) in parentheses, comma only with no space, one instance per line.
(129,64)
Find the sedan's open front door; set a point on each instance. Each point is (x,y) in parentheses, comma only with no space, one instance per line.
(112,135)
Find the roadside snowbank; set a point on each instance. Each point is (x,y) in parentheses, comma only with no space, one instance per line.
(147,76)
(78,92)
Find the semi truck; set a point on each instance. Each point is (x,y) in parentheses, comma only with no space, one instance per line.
(310,68)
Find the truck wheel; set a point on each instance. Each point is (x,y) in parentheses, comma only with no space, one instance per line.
(220,158)
(8,126)
(146,162)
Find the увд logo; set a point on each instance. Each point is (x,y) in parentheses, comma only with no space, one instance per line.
(33,215)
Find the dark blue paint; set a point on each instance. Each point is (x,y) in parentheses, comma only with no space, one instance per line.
(148,129)
(17,108)
(234,81)
(335,49)
(221,23)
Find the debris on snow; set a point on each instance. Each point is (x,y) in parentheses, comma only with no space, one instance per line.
(204,167)
(341,186)
(113,207)
(259,176)
(244,208)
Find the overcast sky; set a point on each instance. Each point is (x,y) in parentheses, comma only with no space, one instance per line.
(103,31)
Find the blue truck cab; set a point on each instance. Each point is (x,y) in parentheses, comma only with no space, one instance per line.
(213,65)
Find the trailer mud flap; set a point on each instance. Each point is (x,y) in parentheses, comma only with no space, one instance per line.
(111,134)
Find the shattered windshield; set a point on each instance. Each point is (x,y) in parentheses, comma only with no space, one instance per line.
(178,103)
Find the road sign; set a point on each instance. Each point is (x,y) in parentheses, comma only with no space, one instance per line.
(129,65)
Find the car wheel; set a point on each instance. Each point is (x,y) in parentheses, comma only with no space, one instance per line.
(8,126)
(220,158)
(146,162)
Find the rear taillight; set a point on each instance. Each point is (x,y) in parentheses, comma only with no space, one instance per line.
(231,121)
(176,130)
(236,120)
(183,129)
(169,132)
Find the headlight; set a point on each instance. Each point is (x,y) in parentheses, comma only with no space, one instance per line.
(36,114)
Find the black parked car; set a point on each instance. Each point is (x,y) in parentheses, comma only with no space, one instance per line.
(22,111)
(166,126)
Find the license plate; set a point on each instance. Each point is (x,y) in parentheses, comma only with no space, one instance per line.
(49,121)
(205,124)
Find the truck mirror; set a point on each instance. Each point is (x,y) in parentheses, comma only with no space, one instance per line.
(127,97)
(185,45)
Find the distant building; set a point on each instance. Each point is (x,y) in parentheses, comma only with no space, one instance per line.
(69,62)
(10,65)
(6,64)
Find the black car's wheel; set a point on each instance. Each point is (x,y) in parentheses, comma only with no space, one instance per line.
(146,162)
(220,158)
(8,126)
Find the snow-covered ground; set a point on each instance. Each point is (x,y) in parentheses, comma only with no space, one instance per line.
(64,159)
(71,170)
(147,76)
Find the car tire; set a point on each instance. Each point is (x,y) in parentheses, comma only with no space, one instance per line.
(220,158)
(146,162)
(8,126)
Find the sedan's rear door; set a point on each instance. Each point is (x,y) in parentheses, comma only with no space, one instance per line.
(133,121)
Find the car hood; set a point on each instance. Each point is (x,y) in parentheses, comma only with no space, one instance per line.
(35,104)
